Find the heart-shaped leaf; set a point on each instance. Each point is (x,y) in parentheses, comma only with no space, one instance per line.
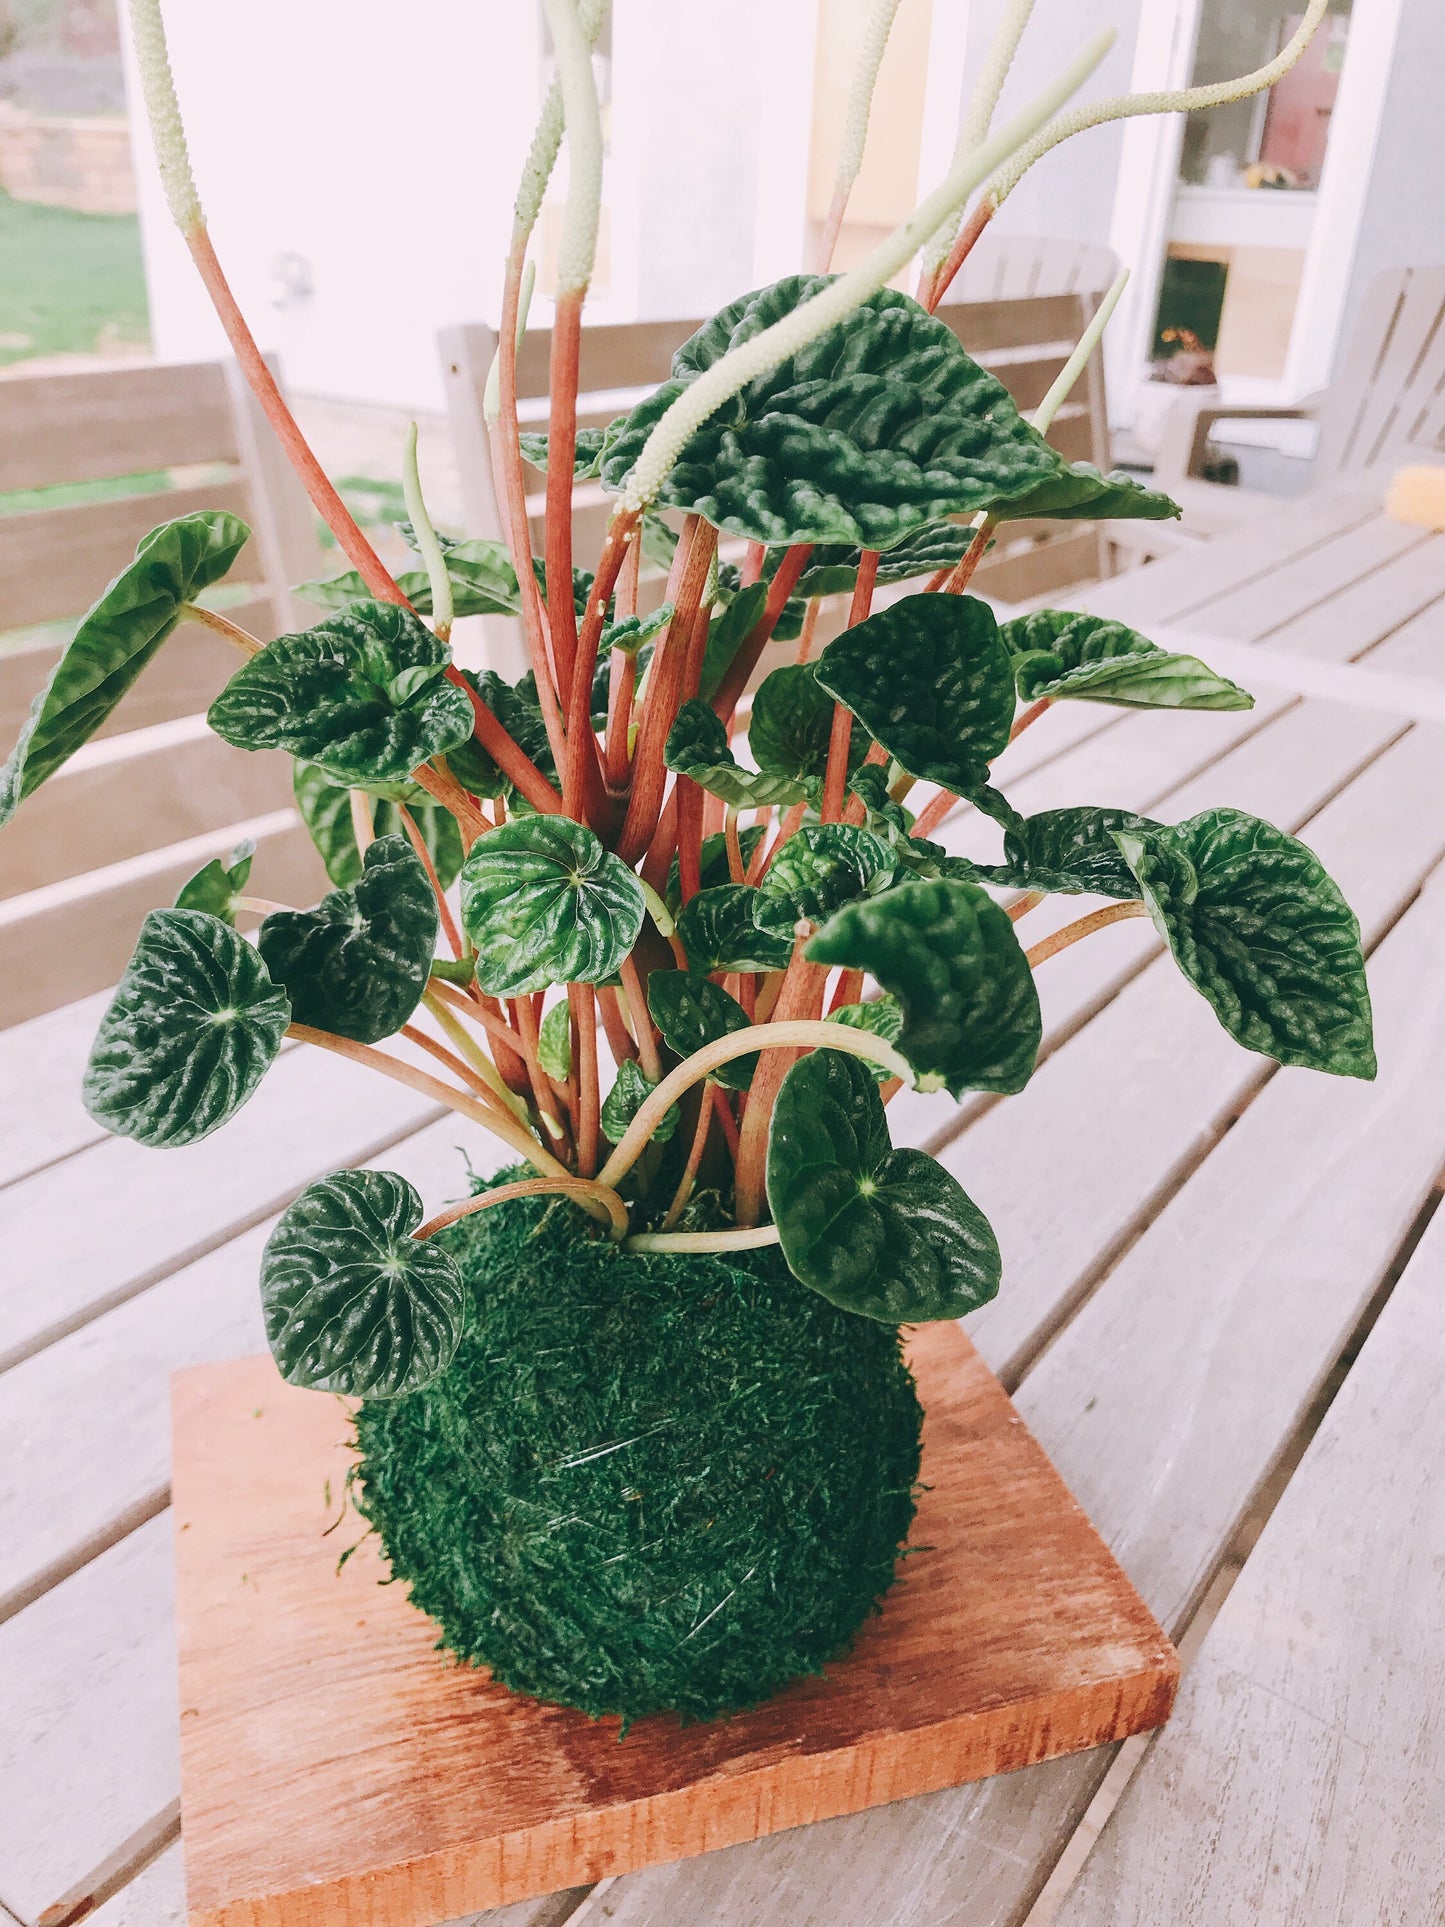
(325,808)
(713,866)
(1080,492)
(1260,929)
(1089,659)
(484,583)
(193,1027)
(363,694)
(554,1042)
(717,931)
(353,1303)
(931,680)
(792,722)
(1069,850)
(881,1015)
(879,427)
(698,748)
(949,955)
(819,868)
(882,1232)
(544,903)
(216,885)
(115,641)
(691,1011)
(358,963)
(626,1099)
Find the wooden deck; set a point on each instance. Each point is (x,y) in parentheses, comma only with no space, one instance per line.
(1221,1317)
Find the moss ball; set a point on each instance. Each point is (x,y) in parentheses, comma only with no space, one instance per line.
(645,1483)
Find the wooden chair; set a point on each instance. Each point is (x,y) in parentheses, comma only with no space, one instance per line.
(155,795)
(1386,407)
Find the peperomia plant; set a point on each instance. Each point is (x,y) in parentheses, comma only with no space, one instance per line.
(702,938)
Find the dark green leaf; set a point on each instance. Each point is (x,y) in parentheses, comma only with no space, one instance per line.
(554,1042)
(882,1015)
(519,713)
(363,694)
(1260,929)
(544,903)
(879,427)
(691,1011)
(819,868)
(353,1303)
(833,570)
(193,1027)
(659,542)
(358,963)
(697,747)
(1069,850)
(631,632)
(792,722)
(949,955)
(718,933)
(1079,492)
(626,1099)
(484,583)
(882,1232)
(713,867)
(1090,659)
(586,460)
(216,885)
(727,633)
(931,681)
(325,808)
(116,640)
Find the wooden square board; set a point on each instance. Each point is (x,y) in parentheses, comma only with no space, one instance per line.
(338,1771)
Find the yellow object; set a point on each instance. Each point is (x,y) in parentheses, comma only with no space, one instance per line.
(1418,495)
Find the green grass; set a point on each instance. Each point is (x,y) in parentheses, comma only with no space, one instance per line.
(69,283)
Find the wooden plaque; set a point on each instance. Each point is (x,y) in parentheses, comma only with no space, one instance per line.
(338,1771)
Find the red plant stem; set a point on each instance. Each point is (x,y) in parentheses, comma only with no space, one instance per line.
(507,1046)
(664,692)
(1020,907)
(857,809)
(800,996)
(832,228)
(642,1020)
(745,661)
(582,1002)
(508,753)
(734,846)
(1085,927)
(324,498)
(1029,716)
(561,450)
(694,1157)
(524,1017)
(835,780)
(689,837)
(936,581)
(723,1106)
(933,814)
(463,1071)
(979,217)
(758,863)
(582,771)
(972,556)
(622,683)
(752,568)
(444,909)
(619,1037)
(790,824)
(847,990)
(809,630)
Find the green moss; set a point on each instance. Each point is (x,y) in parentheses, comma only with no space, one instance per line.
(645,1484)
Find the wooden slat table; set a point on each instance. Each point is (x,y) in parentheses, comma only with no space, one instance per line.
(1196,1244)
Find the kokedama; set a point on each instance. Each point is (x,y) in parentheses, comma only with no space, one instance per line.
(634,1424)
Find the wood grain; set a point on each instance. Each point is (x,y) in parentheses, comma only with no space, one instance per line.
(336,1769)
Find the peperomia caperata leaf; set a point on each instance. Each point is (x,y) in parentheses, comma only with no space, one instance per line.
(882,1015)
(1090,659)
(216,885)
(554,1042)
(949,954)
(820,867)
(713,866)
(544,903)
(325,807)
(115,641)
(930,678)
(626,1099)
(1260,929)
(353,1303)
(886,1233)
(364,695)
(586,459)
(691,1011)
(698,748)
(358,963)
(726,634)
(1080,492)
(717,930)
(791,723)
(1068,851)
(194,1026)
(484,583)
(880,426)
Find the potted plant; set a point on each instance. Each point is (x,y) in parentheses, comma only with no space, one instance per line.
(702,941)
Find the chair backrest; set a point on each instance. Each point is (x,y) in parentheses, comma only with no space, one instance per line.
(1010,267)
(1388,401)
(155,795)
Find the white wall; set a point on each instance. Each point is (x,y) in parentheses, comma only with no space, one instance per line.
(380,144)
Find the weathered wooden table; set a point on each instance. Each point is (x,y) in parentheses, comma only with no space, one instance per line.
(1222,1315)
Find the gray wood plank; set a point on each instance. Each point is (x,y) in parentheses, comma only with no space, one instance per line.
(1362,614)
(1302,1779)
(41,1115)
(1164,1405)
(1306,584)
